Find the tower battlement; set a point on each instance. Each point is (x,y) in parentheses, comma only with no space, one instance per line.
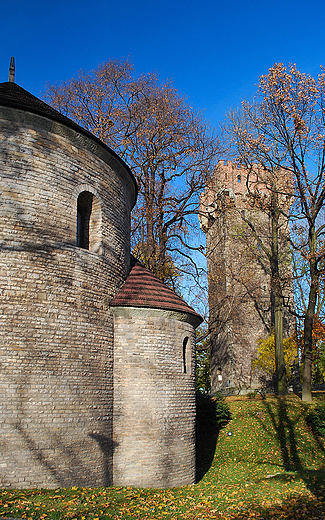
(233,185)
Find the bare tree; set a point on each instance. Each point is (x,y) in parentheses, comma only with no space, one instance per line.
(169,146)
(284,130)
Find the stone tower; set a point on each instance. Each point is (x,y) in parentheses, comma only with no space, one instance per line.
(240,296)
(154,383)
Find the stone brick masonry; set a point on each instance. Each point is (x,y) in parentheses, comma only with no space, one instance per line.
(240,297)
(156,442)
(56,325)
(61,419)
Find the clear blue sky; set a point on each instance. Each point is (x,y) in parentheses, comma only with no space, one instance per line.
(214,50)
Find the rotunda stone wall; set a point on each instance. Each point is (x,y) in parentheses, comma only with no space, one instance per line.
(154,398)
(56,354)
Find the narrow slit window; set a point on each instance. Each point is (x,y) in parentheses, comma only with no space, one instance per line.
(89,222)
(84,207)
(185,355)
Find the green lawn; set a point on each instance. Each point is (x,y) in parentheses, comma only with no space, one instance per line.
(271,466)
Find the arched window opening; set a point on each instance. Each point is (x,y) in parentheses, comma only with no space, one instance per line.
(219,374)
(89,222)
(84,207)
(238,178)
(185,355)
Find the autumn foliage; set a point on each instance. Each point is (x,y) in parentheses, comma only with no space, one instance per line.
(284,128)
(266,354)
(293,348)
(169,146)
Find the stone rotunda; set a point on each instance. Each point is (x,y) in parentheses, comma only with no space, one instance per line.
(97,354)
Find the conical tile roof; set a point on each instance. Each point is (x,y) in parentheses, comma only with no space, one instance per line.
(14,96)
(144,289)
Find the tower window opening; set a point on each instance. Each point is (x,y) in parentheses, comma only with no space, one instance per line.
(238,178)
(89,222)
(185,355)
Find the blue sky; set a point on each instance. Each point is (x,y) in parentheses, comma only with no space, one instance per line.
(214,50)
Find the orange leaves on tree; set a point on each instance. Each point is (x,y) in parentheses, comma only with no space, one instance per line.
(169,146)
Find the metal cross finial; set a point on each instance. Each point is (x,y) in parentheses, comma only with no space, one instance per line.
(12,70)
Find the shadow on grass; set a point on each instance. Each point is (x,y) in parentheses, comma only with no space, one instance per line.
(285,430)
(314,480)
(207,432)
(293,508)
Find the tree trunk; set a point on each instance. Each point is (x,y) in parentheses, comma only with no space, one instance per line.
(309,320)
(149,216)
(279,356)
(307,354)
(282,388)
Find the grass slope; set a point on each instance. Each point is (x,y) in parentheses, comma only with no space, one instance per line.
(271,466)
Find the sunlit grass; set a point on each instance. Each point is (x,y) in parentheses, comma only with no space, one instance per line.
(271,466)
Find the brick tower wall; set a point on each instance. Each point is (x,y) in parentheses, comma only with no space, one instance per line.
(56,327)
(240,298)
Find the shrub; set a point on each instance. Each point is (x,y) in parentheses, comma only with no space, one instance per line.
(211,412)
(222,413)
(315,418)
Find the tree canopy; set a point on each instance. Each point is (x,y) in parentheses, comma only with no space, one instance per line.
(169,146)
(283,129)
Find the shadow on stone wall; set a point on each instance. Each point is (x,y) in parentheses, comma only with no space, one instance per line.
(67,468)
(61,454)
(107,446)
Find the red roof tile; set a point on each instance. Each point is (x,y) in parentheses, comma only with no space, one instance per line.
(144,289)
